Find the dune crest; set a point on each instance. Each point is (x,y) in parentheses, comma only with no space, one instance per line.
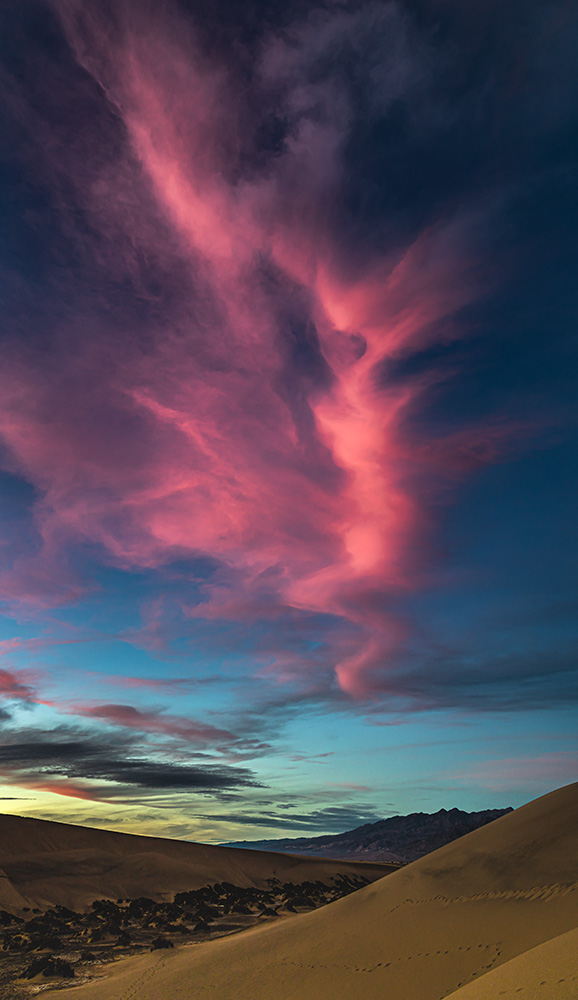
(423,933)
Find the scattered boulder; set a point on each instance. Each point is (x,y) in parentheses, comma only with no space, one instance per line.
(16,942)
(145,923)
(48,966)
(46,942)
(161,942)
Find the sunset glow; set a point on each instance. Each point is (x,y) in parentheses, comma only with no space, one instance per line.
(285,393)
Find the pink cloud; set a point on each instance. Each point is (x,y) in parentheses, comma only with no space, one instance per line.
(148,721)
(18,685)
(192,447)
(68,788)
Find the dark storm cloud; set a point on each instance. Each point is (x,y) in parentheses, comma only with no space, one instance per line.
(42,758)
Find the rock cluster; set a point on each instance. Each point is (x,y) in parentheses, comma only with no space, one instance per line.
(60,943)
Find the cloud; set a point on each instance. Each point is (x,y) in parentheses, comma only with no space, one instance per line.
(333,819)
(237,282)
(155,722)
(85,764)
(498,682)
(242,741)
(177,684)
(14,685)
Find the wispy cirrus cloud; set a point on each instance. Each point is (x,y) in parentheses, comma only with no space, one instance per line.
(252,257)
(130,717)
(167,684)
(335,819)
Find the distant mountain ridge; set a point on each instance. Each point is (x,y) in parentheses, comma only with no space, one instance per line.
(399,839)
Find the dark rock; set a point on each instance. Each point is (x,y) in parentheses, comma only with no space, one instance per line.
(46,942)
(161,942)
(16,942)
(48,965)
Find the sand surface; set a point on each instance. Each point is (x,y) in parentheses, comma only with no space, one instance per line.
(547,972)
(422,933)
(43,864)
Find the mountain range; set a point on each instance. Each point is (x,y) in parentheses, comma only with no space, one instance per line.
(398,839)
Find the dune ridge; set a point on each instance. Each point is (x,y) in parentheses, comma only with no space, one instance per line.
(43,864)
(425,932)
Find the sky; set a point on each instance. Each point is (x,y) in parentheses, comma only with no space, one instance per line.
(288,450)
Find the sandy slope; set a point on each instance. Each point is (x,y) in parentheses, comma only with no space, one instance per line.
(44,863)
(419,934)
(547,972)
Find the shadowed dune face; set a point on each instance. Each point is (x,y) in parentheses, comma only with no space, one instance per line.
(423,933)
(44,864)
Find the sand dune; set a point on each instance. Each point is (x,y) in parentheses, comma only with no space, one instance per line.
(43,863)
(422,933)
(547,972)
